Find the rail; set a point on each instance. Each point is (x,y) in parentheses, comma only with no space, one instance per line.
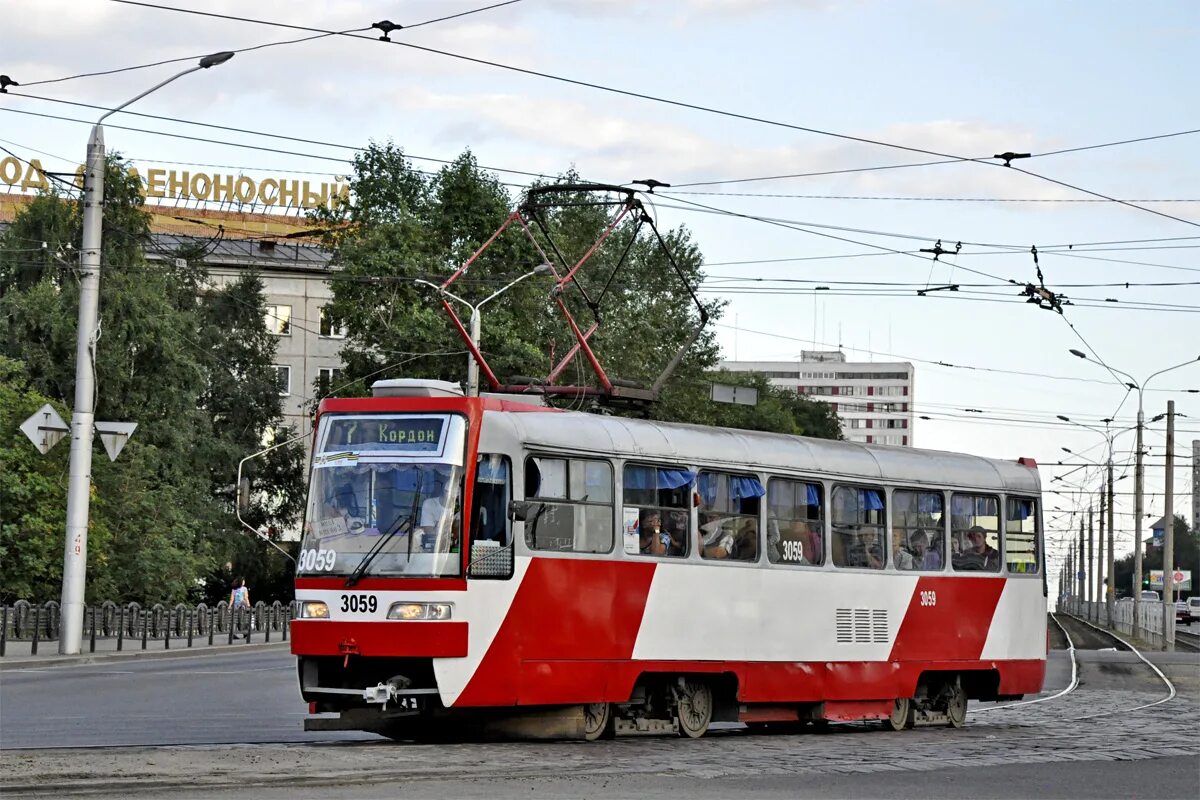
(110,626)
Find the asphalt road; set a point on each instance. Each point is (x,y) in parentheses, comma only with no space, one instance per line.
(1096,780)
(1057,748)
(209,699)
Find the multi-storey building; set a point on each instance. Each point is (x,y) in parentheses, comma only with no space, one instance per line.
(873,400)
(1195,485)
(296,289)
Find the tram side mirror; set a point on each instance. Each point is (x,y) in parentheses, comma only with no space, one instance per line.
(519,510)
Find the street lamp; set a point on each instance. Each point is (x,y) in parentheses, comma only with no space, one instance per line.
(476,322)
(83,416)
(1109,584)
(1138,482)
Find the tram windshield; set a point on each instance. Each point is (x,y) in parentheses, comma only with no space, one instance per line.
(379,503)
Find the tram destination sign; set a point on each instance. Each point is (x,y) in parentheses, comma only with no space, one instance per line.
(391,434)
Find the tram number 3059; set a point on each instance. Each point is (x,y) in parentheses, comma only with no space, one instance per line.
(360,603)
(928,598)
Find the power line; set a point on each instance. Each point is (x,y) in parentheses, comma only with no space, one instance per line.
(574,82)
(249,132)
(322,35)
(821,173)
(1105,196)
(927,164)
(186,58)
(797,227)
(916,198)
(1115,144)
(677,103)
(935,363)
(459,14)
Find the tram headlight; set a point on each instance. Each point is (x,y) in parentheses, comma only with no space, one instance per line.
(440,610)
(415,611)
(313,609)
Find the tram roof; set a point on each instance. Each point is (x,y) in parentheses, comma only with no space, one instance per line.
(750,450)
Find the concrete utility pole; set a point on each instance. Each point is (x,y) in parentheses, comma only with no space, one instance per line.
(1091,561)
(83,416)
(1110,594)
(1169,536)
(1100,555)
(1067,579)
(1138,478)
(1081,569)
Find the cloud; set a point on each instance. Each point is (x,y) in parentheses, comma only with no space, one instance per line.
(615,147)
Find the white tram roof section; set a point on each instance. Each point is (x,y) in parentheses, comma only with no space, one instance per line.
(684,444)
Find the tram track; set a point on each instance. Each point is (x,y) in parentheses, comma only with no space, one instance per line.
(1190,641)
(1074,684)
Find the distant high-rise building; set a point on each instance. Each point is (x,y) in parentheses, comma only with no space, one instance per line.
(873,400)
(1195,485)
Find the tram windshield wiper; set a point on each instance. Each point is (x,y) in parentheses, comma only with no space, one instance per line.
(361,569)
(404,522)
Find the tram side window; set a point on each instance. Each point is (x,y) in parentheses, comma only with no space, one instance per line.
(1020,535)
(918,530)
(975,533)
(655,510)
(858,527)
(795,527)
(573,505)
(728,516)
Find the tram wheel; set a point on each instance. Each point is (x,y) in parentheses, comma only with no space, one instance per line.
(956,704)
(694,703)
(598,722)
(902,715)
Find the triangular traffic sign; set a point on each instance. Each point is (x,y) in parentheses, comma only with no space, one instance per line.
(114,435)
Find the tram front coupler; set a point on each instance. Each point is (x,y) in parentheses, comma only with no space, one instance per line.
(394,695)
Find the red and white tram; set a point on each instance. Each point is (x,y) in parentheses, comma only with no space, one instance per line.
(480,561)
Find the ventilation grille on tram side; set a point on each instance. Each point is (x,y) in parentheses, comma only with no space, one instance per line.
(861,625)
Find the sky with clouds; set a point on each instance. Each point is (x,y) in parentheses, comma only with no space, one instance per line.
(956,77)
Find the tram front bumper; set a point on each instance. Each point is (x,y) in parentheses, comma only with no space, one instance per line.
(319,637)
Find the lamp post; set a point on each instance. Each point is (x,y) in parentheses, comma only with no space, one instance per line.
(83,415)
(476,322)
(1105,501)
(1137,477)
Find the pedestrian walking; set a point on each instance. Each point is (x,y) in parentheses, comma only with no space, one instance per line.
(239,602)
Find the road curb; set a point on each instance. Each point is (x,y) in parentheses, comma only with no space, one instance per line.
(11,663)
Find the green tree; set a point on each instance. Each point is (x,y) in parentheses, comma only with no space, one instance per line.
(1185,556)
(403,226)
(189,364)
(32,496)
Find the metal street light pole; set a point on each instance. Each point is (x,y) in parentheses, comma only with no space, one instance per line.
(1103,569)
(1169,535)
(1138,478)
(476,321)
(83,416)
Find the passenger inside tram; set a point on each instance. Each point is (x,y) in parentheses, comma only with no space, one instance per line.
(926,555)
(677,529)
(864,548)
(653,540)
(979,553)
(717,536)
(747,540)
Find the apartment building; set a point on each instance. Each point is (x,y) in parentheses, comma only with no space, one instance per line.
(873,400)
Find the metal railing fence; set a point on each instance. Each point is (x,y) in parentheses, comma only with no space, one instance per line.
(131,626)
